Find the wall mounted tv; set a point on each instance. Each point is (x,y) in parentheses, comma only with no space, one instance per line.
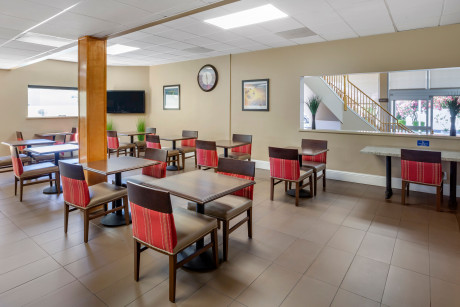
(125,101)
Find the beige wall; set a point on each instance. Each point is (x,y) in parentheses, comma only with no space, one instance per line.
(13,96)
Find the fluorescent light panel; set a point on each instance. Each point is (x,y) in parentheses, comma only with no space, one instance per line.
(119,49)
(248,17)
(42,39)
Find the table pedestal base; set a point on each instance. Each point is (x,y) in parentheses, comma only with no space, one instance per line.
(114,219)
(202,263)
(172,168)
(51,190)
(302,193)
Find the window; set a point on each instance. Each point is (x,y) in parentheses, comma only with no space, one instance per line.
(51,101)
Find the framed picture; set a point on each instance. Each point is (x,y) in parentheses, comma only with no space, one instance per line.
(171,97)
(255,95)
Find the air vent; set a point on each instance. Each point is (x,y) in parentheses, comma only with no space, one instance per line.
(198,50)
(296,33)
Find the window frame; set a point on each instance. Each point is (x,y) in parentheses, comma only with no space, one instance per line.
(50,87)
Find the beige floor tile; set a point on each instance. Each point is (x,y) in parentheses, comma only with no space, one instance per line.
(347,239)
(444,293)
(444,220)
(207,296)
(320,231)
(411,256)
(366,277)
(445,266)
(18,254)
(377,247)
(331,266)
(385,226)
(389,210)
(335,214)
(270,288)
(358,220)
(444,241)
(347,299)
(406,288)
(299,256)
(310,292)
(413,232)
(420,215)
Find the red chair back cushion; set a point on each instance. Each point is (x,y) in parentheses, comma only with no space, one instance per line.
(153,145)
(154,228)
(244,149)
(318,158)
(423,172)
(246,192)
(284,169)
(76,192)
(17,166)
(112,142)
(188,143)
(157,171)
(207,158)
(21,148)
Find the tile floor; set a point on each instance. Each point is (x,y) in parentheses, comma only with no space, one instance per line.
(346,247)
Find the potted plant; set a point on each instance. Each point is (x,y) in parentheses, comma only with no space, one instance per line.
(109,125)
(140,128)
(313,104)
(453,104)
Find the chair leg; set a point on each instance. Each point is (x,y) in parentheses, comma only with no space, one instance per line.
(66,217)
(297,193)
(407,189)
(315,177)
(285,186)
(183,159)
(137,259)
(58,182)
(403,193)
(249,213)
(86,225)
(15,186)
(438,198)
(21,188)
(225,234)
(51,179)
(324,179)
(118,153)
(172,278)
(126,208)
(272,187)
(310,180)
(215,247)
(196,161)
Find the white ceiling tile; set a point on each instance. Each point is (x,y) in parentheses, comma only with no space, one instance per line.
(220,47)
(61,4)
(15,23)
(244,5)
(283,24)
(152,6)
(181,22)
(28,46)
(451,7)
(201,28)
(159,48)
(179,45)
(216,12)
(450,19)
(8,33)
(200,41)
(309,40)
(281,44)
(177,35)
(409,22)
(156,29)
(334,31)
(27,10)
(156,40)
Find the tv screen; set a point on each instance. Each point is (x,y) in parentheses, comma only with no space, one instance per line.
(125,101)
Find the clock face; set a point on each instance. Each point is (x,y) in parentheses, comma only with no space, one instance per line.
(207,78)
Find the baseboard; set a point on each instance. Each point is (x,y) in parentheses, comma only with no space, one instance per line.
(375,180)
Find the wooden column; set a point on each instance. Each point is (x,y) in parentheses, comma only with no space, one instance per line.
(92,103)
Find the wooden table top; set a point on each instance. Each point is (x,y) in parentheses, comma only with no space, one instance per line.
(176,138)
(308,151)
(129,133)
(117,165)
(230,144)
(446,155)
(29,142)
(52,149)
(200,186)
(42,135)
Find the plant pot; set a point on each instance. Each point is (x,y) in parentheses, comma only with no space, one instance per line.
(415,123)
(313,122)
(140,137)
(453,130)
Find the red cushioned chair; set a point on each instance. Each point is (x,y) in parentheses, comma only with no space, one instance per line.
(141,145)
(153,141)
(25,173)
(285,167)
(154,172)
(241,152)
(19,137)
(113,145)
(74,137)
(421,167)
(206,154)
(156,226)
(93,200)
(316,163)
(188,146)
(229,207)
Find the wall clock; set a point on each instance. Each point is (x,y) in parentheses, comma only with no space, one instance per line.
(207,78)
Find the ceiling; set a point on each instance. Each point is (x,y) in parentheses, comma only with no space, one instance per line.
(174,41)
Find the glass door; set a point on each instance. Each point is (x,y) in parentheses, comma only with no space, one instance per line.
(441,115)
(414,114)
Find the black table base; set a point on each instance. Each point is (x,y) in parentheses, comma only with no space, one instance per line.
(117,218)
(201,263)
(302,193)
(51,190)
(453,186)
(388,190)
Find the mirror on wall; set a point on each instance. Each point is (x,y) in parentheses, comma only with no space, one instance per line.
(414,101)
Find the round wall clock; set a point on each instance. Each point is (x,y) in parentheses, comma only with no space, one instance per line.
(207,78)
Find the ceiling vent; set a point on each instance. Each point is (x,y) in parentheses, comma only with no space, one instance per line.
(296,33)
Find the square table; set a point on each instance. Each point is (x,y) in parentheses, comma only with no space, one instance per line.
(174,139)
(116,165)
(29,143)
(226,144)
(200,187)
(305,152)
(56,150)
(53,135)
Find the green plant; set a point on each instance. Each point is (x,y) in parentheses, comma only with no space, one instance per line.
(453,104)
(313,104)
(109,125)
(140,126)
(422,124)
(415,123)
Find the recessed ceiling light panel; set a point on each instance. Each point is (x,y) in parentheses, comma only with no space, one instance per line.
(42,39)
(248,17)
(119,49)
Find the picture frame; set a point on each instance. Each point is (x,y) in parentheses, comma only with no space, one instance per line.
(171,97)
(255,95)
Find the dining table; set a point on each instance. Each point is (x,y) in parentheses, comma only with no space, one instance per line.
(229,144)
(305,152)
(446,155)
(116,166)
(53,149)
(29,143)
(174,139)
(53,135)
(200,187)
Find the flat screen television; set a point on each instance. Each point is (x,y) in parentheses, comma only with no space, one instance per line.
(125,101)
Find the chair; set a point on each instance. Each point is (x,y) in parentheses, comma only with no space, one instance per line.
(316,163)
(228,207)
(188,146)
(153,141)
(19,137)
(241,152)
(74,136)
(35,171)
(113,145)
(206,154)
(154,172)
(421,167)
(140,145)
(93,200)
(156,226)
(284,166)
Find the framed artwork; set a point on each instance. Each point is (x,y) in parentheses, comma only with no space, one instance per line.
(171,97)
(255,95)
(207,78)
